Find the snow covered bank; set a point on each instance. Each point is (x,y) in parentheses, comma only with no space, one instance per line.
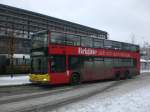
(145,71)
(16,80)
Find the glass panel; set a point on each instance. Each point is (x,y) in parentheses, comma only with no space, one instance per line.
(127,62)
(98,61)
(58,64)
(108,61)
(19,61)
(132,64)
(124,62)
(107,43)
(86,42)
(57,38)
(39,40)
(125,46)
(39,65)
(27,61)
(137,48)
(134,48)
(74,62)
(120,62)
(116,45)
(98,43)
(117,63)
(73,40)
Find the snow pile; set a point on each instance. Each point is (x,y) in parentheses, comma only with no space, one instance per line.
(135,101)
(145,71)
(16,80)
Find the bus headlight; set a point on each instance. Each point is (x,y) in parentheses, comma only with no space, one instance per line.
(44,79)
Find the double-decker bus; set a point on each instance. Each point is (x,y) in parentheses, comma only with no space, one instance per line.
(61,57)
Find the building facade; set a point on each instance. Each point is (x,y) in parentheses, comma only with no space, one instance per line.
(17,25)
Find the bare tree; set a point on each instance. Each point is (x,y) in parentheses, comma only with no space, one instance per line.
(11,49)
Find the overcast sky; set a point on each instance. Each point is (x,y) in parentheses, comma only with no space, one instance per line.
(122,19)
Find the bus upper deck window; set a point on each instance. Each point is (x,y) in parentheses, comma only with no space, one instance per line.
(57,38)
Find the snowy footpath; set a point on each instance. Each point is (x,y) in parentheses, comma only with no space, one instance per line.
(129,97)
(145,71)
(137,101)
(15,80)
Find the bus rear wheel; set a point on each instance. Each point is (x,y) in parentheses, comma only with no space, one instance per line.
(117,76)
(128,75)
(75,79)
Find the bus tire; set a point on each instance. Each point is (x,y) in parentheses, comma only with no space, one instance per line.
(127,75)
(75,79)
(117,76)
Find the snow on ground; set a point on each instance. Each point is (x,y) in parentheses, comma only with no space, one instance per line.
(16,80)
(134,101)
(144,71)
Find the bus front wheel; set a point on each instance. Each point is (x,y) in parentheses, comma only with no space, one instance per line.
(75,79)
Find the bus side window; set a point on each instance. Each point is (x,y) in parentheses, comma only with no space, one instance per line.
(73,40)
(99,61)
(108,61)
(74,62)
(116,45)
(125,47)
(131,62)
(134,63)
(135,48)
(58,64)
(57,38)
(117,62)
(86,41)
(108,44)
(98,43)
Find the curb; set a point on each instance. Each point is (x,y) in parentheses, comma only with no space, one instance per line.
(16,85)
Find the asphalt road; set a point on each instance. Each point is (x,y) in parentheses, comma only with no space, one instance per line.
(33,98)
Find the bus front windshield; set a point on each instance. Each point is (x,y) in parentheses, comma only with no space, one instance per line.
(39,65)
(40,40)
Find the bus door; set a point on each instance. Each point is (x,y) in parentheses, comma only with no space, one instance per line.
(57,69)
(39,65)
